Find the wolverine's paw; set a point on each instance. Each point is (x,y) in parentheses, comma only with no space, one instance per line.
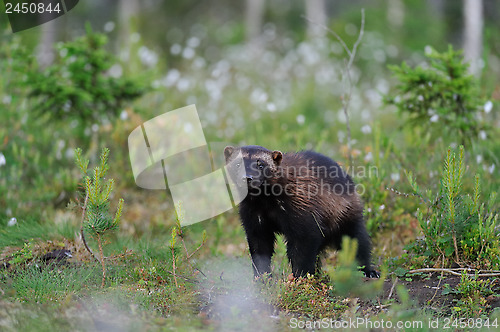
(372,274)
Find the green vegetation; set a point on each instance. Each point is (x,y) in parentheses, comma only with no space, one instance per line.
(346,276)
(284,94)
(441,96)
(84,84)
(457,228)
(472,291)
(96,217)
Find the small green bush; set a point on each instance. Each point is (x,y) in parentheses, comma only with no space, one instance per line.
(79,85)
(456,226)
(443,98)
(472,291)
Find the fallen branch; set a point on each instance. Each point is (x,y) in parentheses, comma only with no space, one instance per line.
(392,288)
(482,273)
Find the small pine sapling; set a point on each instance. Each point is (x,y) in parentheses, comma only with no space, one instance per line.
(178,233)
(96,217)
(457,226)
(346,276)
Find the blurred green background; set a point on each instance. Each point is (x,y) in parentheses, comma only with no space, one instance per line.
(258,72)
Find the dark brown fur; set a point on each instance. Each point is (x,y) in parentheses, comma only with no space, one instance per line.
(306,197)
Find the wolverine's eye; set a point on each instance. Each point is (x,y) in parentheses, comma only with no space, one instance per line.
(259,164)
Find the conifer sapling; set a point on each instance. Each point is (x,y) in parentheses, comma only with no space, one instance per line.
(97,219)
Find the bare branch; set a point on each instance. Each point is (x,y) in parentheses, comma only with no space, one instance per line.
(360,36)
(330,31)
(346,96)
(346,100)
(482,273)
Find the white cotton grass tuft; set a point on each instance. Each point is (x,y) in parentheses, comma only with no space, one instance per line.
(301,119)
(488,106)
(434,118)
(12,222)
(366,129)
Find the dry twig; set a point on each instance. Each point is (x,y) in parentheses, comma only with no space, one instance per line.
(482,273)
(346,96)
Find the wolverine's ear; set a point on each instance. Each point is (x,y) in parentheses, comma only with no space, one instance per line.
(228,151)
(277,156)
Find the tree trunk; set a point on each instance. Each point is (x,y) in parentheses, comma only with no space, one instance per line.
(437,8)
(127,9)
(395,13)
(473,33)
(254,16)
(316,13)
(45,50)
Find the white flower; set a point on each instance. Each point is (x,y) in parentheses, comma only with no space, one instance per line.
(488,106)
(176,49)
(2,159)
(258,96)
(491,168)
(482,135)
(172,76)
(123,115)
(109,26)
(271,107)
(369,157)
(12,222)
(183,84)
(366,129)
(479,158)
(434,118)
(301,119)
(116,71)
(381,207)
(7,99)
(69,154)
(395,177)
(193,42)
(148,57)
(63,52)
(188,53)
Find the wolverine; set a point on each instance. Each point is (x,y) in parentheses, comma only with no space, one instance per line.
(304,196)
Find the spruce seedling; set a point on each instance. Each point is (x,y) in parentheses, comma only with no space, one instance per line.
(96,217)
(441,98)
